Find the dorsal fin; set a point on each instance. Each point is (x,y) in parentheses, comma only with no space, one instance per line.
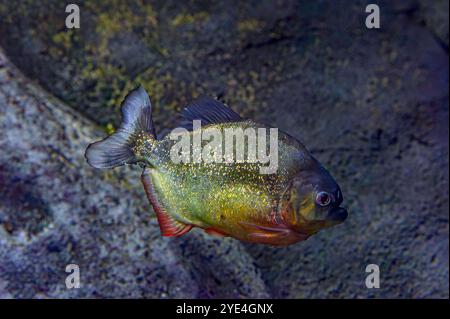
(209,111)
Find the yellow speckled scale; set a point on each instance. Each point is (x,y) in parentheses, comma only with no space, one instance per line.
(227,198)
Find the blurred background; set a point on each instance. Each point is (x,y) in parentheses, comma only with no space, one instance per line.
(370,104)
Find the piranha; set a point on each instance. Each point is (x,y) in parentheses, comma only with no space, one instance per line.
(232,199)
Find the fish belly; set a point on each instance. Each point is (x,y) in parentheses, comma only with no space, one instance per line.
(227,207)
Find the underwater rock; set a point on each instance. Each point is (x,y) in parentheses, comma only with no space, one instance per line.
(55,210)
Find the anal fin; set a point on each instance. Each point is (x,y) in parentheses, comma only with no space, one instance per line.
(168,225)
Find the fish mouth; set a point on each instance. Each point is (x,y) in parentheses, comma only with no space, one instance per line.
(338,214)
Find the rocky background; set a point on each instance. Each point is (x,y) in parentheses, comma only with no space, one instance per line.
(372,105)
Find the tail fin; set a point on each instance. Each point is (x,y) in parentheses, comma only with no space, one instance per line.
(117,149)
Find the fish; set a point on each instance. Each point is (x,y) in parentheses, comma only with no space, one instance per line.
(295,200)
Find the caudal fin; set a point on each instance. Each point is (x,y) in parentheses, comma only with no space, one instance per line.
(117,149)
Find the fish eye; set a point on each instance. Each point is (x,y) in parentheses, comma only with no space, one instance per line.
(323,199)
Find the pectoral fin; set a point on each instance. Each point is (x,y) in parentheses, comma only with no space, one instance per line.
(278,236)
(168,225)
(259,231)
(214,232)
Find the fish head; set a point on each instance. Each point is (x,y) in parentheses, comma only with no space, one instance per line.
(312,201)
